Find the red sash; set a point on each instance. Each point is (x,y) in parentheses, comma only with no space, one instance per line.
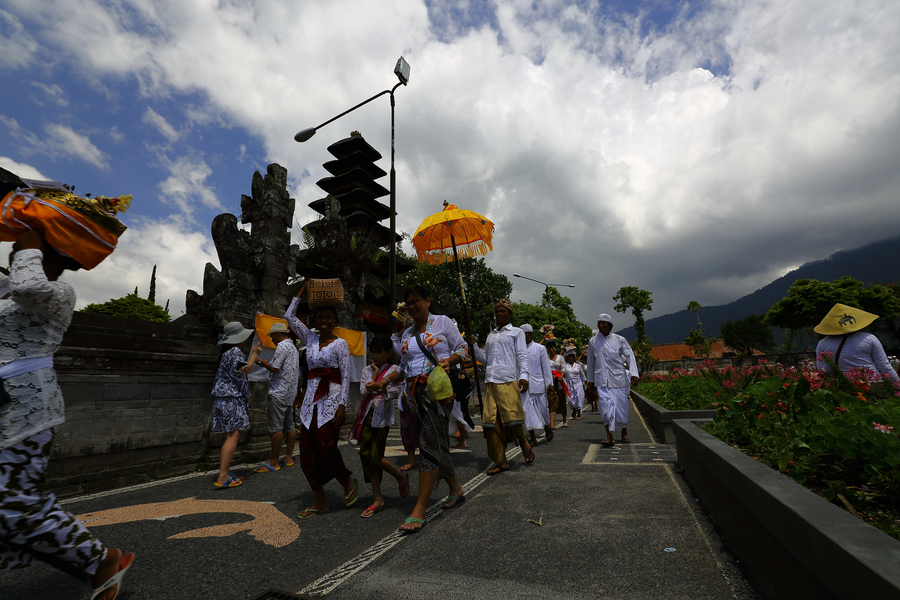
(326,376)
(355,433)
(562,381)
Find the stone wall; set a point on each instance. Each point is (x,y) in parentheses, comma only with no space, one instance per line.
(138,403)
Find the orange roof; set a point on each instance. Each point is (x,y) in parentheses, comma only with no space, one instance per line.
(679,351)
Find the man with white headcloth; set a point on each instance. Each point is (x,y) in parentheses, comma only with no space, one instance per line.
(612,370)
(534,401)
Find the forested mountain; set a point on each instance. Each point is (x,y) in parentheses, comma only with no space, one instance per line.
(875,263)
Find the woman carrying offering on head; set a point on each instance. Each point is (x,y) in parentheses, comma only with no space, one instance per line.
(431,342)
(324,406)
(230,394)
(35,311)
(376,415)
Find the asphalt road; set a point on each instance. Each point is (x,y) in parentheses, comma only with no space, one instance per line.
(582,522)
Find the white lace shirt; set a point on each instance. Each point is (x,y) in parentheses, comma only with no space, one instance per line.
(32,321)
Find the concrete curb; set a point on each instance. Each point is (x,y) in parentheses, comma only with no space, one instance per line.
(660,419)
(793,543)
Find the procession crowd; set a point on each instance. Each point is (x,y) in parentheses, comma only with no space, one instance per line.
(527,386)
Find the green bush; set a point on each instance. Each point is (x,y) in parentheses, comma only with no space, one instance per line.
(131,306)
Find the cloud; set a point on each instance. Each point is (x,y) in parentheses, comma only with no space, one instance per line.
(697,158)
(17,47)
(151,117)
(186,183)
(21,169)
(54,93)
(65,141)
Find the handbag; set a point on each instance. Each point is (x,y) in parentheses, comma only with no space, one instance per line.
(439,387)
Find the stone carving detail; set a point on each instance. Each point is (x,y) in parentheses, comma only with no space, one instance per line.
(255,265)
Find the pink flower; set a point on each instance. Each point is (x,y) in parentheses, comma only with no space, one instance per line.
(883,428)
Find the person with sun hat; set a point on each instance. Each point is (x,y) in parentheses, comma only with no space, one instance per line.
(847,346)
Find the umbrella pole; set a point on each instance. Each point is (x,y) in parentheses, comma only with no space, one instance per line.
(462,291)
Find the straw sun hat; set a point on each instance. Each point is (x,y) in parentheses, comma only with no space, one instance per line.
(843,319)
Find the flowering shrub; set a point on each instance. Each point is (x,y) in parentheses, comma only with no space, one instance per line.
(834,433)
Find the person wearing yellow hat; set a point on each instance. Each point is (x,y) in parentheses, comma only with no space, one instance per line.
(848,346)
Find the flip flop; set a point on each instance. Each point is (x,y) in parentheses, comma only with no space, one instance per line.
(310,512)
(410,520)
(229,483)
(116,580)
(404,489)
(235,475)
(407,467)
(607,444)
(266,468)
(565,424)
(286,464)
(371,511)
(626,440)
(352,496)
(533,456)
(496,471)
(454,499)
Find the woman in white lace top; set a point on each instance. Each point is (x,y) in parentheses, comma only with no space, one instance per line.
(35,311)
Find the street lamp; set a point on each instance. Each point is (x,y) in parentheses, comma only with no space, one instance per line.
(401,70)
(546,287)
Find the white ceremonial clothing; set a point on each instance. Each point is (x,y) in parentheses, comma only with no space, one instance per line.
(860,350)
(614,406)
(534,401)
(335,355)
(504,355)
(456,417)
(574,376)
(610,366)
(381,404)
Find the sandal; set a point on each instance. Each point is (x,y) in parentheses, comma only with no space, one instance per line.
(626,440)
(229,483)
(266,468)
(371,511)
(286,464)
(404,489)
(496,471)
(352,496)
(607,444)
(410,520)
(531,460)
(307,513)
(454,499)
(407,467)
(116,580)
(235,475)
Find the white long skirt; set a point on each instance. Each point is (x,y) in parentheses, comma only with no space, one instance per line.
(614,406)
(537,412)
(456,418)
(576,389)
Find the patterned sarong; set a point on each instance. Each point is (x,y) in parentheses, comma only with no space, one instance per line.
(33,526)
(320,458)
(372,443)
(434,441)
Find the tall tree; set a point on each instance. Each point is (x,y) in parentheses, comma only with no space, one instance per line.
(131,306)
(747,334)
(152,295)
(638,300)
(697,339)
(483,288)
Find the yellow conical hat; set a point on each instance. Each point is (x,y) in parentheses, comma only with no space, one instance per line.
(843,319)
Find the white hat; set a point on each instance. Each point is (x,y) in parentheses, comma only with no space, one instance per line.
(234,333)
(605,317)
(526,328)
(279,328)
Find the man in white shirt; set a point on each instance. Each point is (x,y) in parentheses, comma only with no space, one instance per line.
(284,372)
(534,401)
(506,377)
(612,370)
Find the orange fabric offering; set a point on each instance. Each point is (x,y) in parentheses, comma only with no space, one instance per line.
(75,226)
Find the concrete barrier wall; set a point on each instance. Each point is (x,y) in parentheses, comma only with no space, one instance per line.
(660,419)
(793,543)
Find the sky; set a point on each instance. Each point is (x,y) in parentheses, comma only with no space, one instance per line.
(697,150)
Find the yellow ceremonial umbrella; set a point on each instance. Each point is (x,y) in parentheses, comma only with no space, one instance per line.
(450,233)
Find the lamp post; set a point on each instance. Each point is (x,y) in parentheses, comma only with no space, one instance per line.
(546,287)
(401,70)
